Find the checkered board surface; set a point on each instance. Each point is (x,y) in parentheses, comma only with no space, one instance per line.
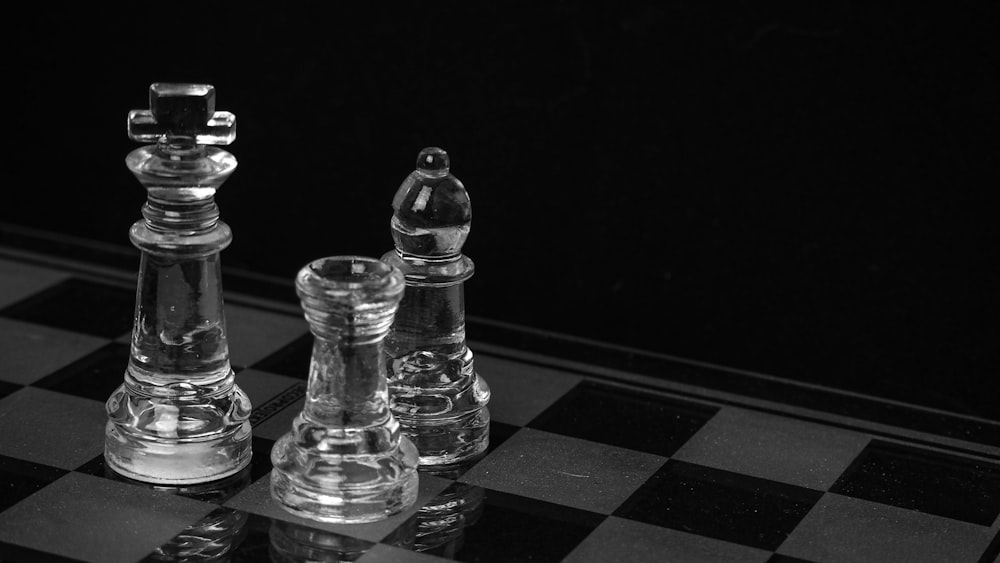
(584,464)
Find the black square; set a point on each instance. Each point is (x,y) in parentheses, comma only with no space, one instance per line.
(7,388)
(252,542)
(925,481)
(260,463)
(499,432)
(22,478)
(495,526)
(96,467)
(280,540)
(442,521)
(720,504)
(292,360)
(779,558)
(992,552)
(625,418)
(80,306)
(95,376)
(10,553)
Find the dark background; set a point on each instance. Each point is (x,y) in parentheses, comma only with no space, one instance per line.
(802,190)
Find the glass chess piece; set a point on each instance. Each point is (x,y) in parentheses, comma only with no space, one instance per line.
(436,393)
(179,417)
(345,459)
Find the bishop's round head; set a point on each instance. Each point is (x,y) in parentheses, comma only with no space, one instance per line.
(432,213)
(433,161)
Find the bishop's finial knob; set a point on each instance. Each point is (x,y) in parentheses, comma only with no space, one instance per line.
(433,161)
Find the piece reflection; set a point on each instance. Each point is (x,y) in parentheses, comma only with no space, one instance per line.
(441,523)
(293,543)
(214,537)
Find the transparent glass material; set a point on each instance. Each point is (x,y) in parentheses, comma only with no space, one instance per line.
(179,418)
(182,110)
(345,459)
(436,393)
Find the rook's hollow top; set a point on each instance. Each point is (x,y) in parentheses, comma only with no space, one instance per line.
(347,272)
(355,294)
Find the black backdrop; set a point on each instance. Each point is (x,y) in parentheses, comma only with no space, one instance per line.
(797,190)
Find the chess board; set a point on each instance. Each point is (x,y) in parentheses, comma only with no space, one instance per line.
(597,452)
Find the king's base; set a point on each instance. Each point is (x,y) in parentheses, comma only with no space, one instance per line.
(344,489)
(177,462)
(449,442)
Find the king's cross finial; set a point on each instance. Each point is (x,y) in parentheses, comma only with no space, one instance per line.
(182,110)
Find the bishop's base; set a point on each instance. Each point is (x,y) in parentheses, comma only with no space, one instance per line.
(166,462)
(447,443)
(343,489)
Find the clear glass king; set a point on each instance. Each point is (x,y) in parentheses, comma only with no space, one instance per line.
(436,393)
(179,417)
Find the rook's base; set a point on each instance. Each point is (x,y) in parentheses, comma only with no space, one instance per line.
(344,489)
